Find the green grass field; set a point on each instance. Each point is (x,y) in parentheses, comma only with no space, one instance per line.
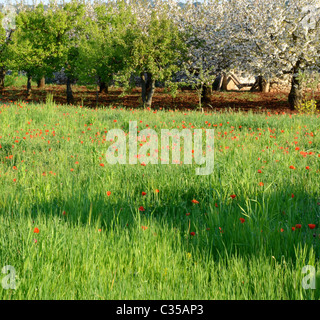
(16,80)
(71,227)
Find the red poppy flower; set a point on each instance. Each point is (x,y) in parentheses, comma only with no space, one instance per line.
(292,167)
(188,214)
(311,226)
(141,208)
(157,191)
(242,220)
(36,230)
(233,196)
(143,193)
(193,233)
(108,193)
(298,226)
(194,201)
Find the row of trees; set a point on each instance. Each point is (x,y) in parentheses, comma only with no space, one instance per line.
(162,40)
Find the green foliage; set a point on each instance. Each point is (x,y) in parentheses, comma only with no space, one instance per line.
(30,47)
(173,87)
(309,83)
(104,47)
(45,39)
(3,38)
(158,48)
(49,99)
(307,106)
(16,80)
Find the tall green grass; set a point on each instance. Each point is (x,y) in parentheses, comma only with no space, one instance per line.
(96,245)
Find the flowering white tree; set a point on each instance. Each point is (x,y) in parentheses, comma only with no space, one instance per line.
(7,27)
(277,37)
(158,39)
(210,46)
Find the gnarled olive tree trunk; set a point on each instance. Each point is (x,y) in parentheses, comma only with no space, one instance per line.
(296,94)
(261,85)
(206,94)
(224,82)
(148,87)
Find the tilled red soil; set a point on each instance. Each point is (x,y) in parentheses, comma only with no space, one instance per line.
(274,102)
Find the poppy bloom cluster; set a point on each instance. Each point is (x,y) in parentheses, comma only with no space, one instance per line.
(311,226)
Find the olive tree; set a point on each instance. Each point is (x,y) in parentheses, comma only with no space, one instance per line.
(106,44)
(159,45)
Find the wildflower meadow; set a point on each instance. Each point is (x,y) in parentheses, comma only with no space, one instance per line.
(159,150)
(74,226)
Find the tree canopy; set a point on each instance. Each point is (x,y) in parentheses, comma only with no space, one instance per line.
(96,42)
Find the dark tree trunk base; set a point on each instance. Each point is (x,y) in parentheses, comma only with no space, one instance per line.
(295,98)
(148,88)
(296,95)
(2,77)
(70,99)
(103,88)
(206,94)
(28,92)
